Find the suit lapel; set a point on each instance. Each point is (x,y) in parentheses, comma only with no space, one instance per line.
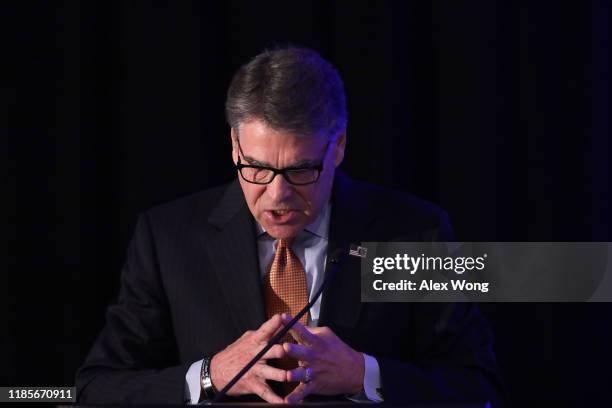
(341,302)
(233,255)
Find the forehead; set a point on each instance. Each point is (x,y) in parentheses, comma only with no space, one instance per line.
(262,142)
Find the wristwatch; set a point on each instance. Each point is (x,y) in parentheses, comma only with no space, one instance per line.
(208,389)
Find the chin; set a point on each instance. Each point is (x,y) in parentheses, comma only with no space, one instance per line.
(283,232)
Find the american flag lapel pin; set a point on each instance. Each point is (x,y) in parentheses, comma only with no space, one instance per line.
(358,251)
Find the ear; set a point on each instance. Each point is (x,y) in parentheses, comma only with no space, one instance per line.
(339,149)
(234,140)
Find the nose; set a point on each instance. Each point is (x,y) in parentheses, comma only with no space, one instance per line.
(279,189)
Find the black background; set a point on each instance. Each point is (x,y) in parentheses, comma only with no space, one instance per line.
(496,110)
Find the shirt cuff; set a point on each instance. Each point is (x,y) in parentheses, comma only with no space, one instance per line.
(371,382)
(192,383)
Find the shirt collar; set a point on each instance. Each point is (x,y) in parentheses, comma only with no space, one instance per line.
(319,226)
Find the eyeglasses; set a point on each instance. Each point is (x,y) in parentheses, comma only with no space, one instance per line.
(298,176)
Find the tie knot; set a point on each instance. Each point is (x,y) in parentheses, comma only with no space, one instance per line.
(284,243)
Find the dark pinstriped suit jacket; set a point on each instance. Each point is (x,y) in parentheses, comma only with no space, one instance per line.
(191,286)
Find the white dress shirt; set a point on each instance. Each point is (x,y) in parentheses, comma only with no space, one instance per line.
(310,246)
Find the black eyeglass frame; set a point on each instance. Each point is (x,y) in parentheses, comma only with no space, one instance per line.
(319,167)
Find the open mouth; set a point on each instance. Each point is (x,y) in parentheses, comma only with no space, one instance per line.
(281,216)
(280,212)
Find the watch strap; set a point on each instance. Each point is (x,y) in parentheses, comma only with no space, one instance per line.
(208,389)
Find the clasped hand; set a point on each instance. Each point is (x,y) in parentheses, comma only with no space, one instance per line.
(334,367)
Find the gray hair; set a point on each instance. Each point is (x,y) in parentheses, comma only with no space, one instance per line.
(292,89)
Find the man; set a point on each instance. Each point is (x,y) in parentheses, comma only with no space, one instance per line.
(211,278)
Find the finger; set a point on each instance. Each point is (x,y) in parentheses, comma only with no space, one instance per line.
(277,351)
(321,332)
(315,330)
(297,351)
(281,327)
(267,330)
(265,393)
(297,374)
(271,373)
(299,332)
(247,333)
(299,393)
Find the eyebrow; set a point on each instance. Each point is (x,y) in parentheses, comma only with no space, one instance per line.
(296,165)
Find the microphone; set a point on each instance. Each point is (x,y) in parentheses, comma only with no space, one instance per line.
(333,265)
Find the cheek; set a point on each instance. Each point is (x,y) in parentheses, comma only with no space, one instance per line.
(321,193)
(252,194)
(310,196)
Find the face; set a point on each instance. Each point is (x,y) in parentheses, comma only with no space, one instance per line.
(281,208)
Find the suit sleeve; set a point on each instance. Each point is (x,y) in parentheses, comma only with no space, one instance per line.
(135,357)
(453,360)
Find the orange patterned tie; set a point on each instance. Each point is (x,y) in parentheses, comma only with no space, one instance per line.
(285,291)
(285,288)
